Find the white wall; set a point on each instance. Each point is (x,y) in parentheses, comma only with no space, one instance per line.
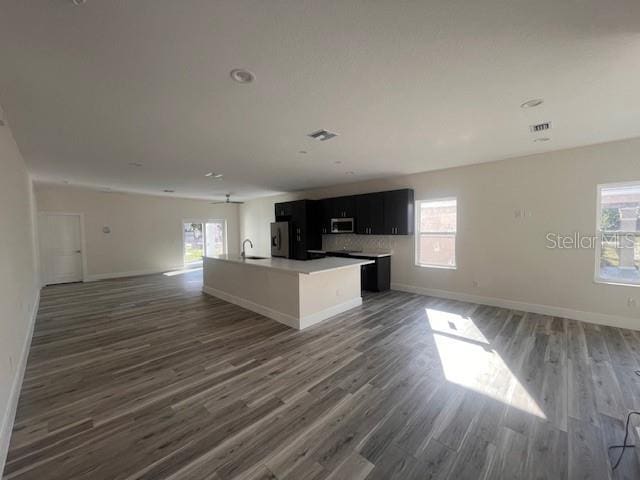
(146,231)
(18,279)
(505,255)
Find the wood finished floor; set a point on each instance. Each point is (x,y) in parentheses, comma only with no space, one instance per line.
(147,378)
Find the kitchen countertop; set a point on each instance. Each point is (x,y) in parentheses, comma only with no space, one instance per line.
(307,267)
(354,254)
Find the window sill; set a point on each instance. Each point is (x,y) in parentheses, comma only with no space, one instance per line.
(439,267)
(602,281)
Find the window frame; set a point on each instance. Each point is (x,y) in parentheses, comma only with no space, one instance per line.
(597,278)
(419,233)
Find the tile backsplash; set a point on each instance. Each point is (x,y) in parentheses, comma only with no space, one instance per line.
(369,243)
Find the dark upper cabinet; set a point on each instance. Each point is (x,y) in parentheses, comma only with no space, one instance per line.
(343,207)
(326,214)
(398,212)
(284,209)
(369,215)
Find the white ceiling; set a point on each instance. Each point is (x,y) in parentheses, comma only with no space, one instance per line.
(409,86)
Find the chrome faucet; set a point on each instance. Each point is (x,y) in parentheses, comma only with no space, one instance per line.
(243,254)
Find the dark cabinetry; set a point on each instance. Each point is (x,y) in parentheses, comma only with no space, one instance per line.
(383,213)
(338,207)
(398,212)
(343,207)
(376,277)
(325,213)
(370,214)
(304,226)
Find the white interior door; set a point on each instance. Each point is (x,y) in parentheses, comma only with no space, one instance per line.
(61,248)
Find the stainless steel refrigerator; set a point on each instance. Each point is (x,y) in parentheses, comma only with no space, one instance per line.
(280,245)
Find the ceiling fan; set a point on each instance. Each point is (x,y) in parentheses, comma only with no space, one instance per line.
(228,200)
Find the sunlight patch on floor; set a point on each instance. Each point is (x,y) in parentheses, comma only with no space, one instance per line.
(181,272)
(469,360)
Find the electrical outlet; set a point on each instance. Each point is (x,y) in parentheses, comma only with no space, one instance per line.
(631,302)
(475,283)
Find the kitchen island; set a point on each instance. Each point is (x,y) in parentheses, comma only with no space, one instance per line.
(294,292)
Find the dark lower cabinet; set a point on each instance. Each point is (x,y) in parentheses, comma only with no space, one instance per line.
(376,277)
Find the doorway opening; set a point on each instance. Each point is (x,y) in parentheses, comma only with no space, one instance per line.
(203,238)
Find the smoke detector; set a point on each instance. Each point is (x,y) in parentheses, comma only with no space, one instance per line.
(540,127)
(322,135)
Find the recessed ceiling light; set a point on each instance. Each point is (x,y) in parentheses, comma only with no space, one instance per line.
(168,190)
(241,75)
(532,103)
(135,164)
(213,175)
(541,139)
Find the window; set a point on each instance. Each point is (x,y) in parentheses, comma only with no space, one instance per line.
(202,238)
(215,238)
(618,234)
(436,239)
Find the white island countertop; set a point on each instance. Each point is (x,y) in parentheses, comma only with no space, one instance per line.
(307,267)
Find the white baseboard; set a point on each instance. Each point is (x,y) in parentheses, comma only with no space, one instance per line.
(329,312)
(14,394)
(288,320)
(134,273)
(591,317)
(281,317)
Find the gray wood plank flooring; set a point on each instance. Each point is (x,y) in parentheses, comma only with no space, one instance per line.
(147,378)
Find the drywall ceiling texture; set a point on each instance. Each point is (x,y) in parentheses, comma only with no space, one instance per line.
(505,255)
(18,279)
(145,231)
(409,87)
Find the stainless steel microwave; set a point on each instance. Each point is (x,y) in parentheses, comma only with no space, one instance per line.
(342,225)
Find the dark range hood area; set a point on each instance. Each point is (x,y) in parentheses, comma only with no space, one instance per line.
(379,213)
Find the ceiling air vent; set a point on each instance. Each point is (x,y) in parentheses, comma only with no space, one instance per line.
(323,135)
(540,127)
